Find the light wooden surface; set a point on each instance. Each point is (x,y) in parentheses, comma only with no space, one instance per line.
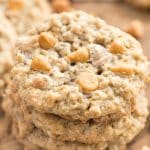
(120,15)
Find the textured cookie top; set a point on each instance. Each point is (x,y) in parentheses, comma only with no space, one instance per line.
(24,14)
(7,41)
(78,67)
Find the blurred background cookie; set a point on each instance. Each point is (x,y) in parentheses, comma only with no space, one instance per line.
(24,14)
(7,42)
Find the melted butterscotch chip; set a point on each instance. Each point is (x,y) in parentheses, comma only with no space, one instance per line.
(117,47)
(46,40)
(16,4)
(87,81)
(122,70)
(81,55)
(40,64)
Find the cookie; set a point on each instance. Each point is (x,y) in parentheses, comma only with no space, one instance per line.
(7,42)
(25,14)
(78,80)
(144,4)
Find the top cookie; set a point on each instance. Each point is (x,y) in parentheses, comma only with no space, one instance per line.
(80,68)
(25,14)
(144,4)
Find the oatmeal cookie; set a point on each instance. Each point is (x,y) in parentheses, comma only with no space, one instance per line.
(7,42)
(144,4)
(78,81)
(25,14)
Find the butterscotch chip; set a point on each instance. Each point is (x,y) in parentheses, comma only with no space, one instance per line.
(122,70)
(46,40)
(61,5)
(87,81)
(40,64)
(117,47)
(83,95)
(81,55)
(16,4)
(135,29)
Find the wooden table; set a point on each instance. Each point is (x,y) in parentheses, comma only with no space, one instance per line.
(120,15)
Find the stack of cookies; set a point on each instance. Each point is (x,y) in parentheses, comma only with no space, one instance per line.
(76,83)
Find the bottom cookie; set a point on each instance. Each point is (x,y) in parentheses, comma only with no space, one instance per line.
(42,142)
